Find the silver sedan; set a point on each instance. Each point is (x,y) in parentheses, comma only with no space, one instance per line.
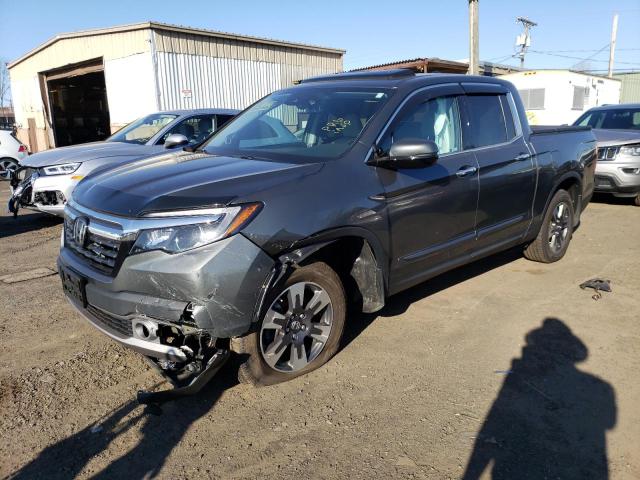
(46,180)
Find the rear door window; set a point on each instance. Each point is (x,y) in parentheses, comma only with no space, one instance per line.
(487,122)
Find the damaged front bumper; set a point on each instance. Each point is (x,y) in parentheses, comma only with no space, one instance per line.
(42,193)
(156,301)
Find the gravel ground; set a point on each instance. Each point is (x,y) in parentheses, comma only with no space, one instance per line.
(503,366)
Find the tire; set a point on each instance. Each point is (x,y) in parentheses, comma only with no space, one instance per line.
(7,164)
(555,233)
(637,200)
(292,319)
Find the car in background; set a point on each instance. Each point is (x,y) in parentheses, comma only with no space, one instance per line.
(617,130)
(47,179)
(12,151)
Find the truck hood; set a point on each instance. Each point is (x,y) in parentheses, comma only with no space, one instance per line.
(611,138)
(85,152)
(183,180)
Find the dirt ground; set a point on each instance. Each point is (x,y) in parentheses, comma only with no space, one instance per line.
(505,365)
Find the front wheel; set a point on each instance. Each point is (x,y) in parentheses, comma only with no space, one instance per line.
(300,330)
(637,200)
(555,234)
(7,165)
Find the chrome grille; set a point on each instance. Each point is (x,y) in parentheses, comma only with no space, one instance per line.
(607,153)
(101,252)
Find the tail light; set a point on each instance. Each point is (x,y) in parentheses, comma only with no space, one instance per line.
(22,149)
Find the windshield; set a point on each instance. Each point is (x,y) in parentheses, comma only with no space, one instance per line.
(615,118)
(141,131)
(305,122)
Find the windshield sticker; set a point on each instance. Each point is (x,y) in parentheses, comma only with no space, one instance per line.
(336,125)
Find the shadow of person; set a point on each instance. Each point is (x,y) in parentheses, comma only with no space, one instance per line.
(158,435)
(549,419)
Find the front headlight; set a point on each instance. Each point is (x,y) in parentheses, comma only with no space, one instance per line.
(63,169)
(633,150)
(208,226)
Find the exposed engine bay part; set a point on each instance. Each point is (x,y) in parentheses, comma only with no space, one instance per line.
(52,197)
(21,184)
(203,358)
(188,381)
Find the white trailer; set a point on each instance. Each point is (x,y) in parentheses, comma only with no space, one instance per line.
(557,97)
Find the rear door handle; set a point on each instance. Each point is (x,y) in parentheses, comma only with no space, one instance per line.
(522,157)
(466,170)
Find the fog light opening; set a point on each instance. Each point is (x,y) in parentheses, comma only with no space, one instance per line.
(145,330)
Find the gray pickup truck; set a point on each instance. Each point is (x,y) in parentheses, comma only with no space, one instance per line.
(345,189)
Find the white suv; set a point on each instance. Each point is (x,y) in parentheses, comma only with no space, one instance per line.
(11,152)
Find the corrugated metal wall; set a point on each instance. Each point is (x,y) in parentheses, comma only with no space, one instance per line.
(211,46)
(193,70)
(630,87)
(193,81)
(196,71)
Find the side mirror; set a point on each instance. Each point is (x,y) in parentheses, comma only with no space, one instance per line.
(409,153)
(175,140)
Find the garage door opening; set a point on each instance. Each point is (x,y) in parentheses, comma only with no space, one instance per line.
(78,106)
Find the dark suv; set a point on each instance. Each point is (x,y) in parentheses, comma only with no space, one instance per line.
(344,189)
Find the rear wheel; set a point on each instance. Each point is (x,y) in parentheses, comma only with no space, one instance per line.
(299,331)
(7,165)
(555,234)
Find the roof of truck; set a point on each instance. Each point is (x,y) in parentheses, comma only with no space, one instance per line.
(400,76)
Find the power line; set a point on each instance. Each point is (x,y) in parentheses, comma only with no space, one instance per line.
(587,51)
(580,58)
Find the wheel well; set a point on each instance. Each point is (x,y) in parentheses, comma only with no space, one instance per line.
(572,186)
(353,260)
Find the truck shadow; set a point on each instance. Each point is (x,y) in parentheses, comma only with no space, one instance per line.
(611,200)
(25,223)
(159,432)
(549,419)
(399,303)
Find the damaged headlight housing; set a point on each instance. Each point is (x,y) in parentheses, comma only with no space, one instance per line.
(63,169)
(208,226)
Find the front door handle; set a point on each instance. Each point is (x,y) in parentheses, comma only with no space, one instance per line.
(466,170)
(522,157)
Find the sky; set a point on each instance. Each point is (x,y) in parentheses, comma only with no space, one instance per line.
(371,32)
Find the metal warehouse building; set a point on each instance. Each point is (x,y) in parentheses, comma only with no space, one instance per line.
(81,86)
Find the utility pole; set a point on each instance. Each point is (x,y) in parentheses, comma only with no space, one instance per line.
(524,40)
(612,47)
(473,38)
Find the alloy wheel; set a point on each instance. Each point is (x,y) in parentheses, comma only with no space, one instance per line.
(7,166)
(296,327)
(559,228)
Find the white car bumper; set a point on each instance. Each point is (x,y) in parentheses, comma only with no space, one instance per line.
(50,193)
